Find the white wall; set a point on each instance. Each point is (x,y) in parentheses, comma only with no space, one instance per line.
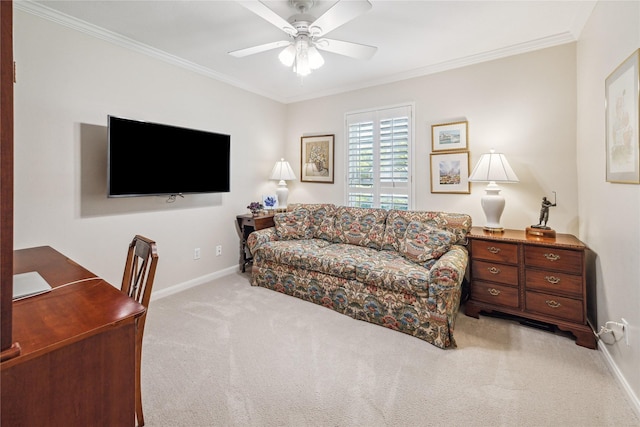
(609,213)
(523,106)
(68,82)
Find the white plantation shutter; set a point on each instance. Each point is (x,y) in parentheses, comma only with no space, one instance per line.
(360,161)
(379,145)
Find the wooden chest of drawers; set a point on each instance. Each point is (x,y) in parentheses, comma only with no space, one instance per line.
(538,278)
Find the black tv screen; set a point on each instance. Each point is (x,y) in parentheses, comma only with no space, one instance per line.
(146,159)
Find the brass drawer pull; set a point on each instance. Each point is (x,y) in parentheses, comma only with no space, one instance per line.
(552,257)
(553,304)
(552,279)
(493,292)
(493,249)
(494,270)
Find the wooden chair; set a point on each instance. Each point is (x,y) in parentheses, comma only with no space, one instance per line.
(139,272)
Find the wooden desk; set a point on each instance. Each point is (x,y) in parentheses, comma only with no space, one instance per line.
(77,359)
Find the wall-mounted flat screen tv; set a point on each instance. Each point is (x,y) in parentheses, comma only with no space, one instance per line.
(152,159)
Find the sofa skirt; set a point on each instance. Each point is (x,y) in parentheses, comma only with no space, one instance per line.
(400,311)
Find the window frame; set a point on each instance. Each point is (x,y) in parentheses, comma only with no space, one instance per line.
(378,115)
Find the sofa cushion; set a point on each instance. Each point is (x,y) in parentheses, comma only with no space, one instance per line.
(423,242)
(385,269)
(397,221)
(390,270)
(360,226)
(292,253)
(341,260)
(293,225)
(322,217)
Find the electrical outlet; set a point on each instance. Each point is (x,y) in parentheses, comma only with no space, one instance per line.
(196,253)
(218,250)
(625,331)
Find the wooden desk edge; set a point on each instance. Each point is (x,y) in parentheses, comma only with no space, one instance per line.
(11,352)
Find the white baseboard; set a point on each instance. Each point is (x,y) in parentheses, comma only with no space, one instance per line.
(633,399)
(192,283)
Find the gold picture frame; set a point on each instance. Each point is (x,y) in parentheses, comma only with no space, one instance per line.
(317,158)
(622,117)
(450,136)
(450,173)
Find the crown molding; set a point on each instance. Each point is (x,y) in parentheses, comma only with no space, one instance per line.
(516,49)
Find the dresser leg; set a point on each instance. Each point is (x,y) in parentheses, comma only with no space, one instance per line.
(471,310)
(584,337)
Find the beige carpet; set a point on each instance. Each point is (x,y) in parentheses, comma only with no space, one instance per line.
(229,354)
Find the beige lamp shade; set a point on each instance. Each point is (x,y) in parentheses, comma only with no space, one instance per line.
(493,168)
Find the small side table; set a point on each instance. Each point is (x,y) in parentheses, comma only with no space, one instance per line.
(245,225)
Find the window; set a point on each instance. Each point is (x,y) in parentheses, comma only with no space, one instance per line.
(379,146)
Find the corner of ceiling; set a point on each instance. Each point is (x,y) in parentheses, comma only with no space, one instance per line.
(580,20)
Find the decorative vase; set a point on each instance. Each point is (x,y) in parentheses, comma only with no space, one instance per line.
(310,168)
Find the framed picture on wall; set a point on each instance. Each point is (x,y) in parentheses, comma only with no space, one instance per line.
(450,173)
(317,158)
(623,122)
(450,136)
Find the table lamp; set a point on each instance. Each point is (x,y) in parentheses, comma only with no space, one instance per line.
(493,168)
(282,171)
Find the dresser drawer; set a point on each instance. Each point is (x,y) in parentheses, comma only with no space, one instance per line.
(553,281)
(494,272)
(494,294)
(556,306)
(552,258)
(494,251)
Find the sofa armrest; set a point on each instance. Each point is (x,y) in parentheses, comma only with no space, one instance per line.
(259,237)
(447,273)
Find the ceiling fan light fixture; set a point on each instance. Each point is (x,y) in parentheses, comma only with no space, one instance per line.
(306,33)
(302,67)
(288,55)
(315,59)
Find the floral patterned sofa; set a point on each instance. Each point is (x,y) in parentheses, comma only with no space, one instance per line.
(399,269)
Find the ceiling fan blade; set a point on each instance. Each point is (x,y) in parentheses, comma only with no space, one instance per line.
(240,53)
(339,14)
(354,50)
(269,15)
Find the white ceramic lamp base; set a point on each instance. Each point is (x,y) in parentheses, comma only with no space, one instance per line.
(493,206)
(283,194)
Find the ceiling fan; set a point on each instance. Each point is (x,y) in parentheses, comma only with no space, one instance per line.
(306,33)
